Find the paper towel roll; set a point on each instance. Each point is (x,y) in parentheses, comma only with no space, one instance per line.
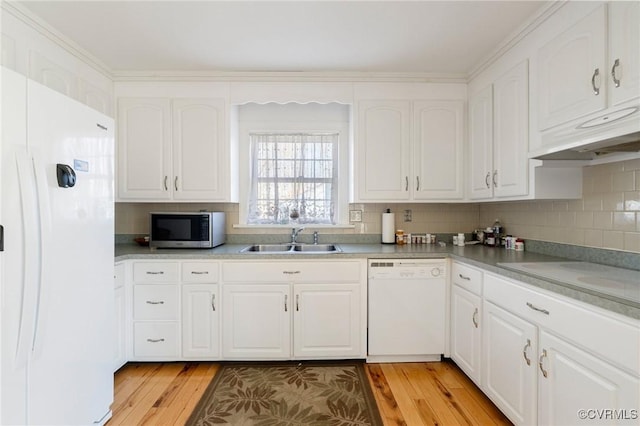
(388,228)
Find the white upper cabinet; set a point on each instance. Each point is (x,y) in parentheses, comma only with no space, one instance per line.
(198,144)
(624,51)
(438,142)
(173,149)
(409,150)
(144,149)
(592,66)
(383,150)
(499,135)
(572,72)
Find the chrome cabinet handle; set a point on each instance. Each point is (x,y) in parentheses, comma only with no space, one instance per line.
(290,272)
(175,183)
(474,318)
(535,308)
(493,179)
(524,351)
(200,272)
(417,183)
(151,302)
(406,183)
(464,278)
(616,80)
(297,302)
(155,340)
(213,302)
(166,187)
(542,357)
(155,272)
(486,179)
(596,73)
(285,303)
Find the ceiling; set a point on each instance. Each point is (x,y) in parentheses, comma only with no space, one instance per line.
(437,37)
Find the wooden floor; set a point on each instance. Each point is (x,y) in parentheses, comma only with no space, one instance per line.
(407,394)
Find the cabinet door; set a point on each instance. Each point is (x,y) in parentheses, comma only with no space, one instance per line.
(481,144)
(383,150)
(200,163)
(437,150)
(256,321)
(465,332)
(144,149)
(327,321)
(509,363)
(624,47)
(571,380)
(200,321)
(511,132)
(572,72)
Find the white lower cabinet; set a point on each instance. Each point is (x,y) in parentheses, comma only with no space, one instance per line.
(256,321)
(326,320)
(200,321)
(299,310)
(572,380)
(546,358)
(509,368)
(465,331)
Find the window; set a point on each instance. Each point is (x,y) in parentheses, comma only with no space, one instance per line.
(293,178)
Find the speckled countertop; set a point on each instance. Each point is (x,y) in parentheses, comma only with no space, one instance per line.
(475,255)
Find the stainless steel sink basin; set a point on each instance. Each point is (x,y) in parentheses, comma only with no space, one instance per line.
(316,248)
(267,248)
(292,248)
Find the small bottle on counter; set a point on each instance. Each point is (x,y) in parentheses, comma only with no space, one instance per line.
(489,238)
(461,239)
(400,237)
(519,244)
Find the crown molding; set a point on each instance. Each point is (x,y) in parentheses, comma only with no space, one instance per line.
(516,36)
(287,76)
(38,24)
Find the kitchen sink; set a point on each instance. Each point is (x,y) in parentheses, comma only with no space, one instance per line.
(292,248)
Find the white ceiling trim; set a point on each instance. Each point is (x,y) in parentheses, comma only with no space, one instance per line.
(41,26)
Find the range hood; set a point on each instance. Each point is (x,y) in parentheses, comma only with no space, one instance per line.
(616,132)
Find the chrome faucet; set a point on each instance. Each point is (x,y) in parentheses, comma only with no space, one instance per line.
(294,234)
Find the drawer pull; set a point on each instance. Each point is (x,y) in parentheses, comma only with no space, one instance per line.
(155,272)
(464,278)
(524,351)
(290,272)
(151,302)
(285,303)
(213,302)
(200,272)
(542,357)
(155,340)
(474,318)
(535,308)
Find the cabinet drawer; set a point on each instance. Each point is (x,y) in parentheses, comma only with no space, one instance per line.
(200,272)
(605,334)
(155,272)
(155,302)
(316,272)
(467,277)
(152,339)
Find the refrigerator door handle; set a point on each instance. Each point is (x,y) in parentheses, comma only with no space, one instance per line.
(44,226)
(30,256)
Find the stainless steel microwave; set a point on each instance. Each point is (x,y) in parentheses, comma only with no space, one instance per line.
(186,230)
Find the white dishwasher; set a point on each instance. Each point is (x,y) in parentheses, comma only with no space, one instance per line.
(407,310)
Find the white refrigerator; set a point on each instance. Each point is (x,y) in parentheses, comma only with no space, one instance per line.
(57,296)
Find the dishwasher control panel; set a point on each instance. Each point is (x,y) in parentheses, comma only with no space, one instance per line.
(405,269)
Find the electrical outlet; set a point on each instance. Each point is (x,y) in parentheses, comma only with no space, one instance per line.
(355,215)
(407,216)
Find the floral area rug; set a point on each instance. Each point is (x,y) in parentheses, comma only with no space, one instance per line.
(306,393)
